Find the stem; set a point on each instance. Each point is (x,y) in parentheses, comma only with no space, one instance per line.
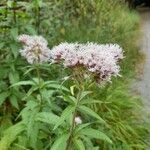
(38,19)
(14,12)
(39,81)
(69,142)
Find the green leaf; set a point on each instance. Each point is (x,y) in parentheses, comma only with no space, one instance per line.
(92,133)
(60,143)
(2,45)
(47,117)
(85,93)
(31,90)
(81,126)
(31,30)
(79,144)
(65,115)
(13,77)
(91,101)
(11,135)
(58,86)
(14,33)
(90,112)
(14,49)
(9,3)
(23,83)
(3,97)
(69,99)
(13,101)
(72,89)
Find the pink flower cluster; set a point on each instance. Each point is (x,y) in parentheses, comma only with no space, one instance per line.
(35,48)
(99,59)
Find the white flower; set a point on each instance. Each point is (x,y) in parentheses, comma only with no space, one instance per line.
(35,49)
(97,58)
(78,120)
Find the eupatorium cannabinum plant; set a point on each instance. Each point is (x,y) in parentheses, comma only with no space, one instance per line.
(66,111)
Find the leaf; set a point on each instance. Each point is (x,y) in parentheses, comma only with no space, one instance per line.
(39,3)
(47,117)
(30,91)
(58,86)
(64,115)
(13,77)
(14,33)
(92,133)
(31,30)
(79,144)
(9,3)
(2,45)
(85,93)
(14,49)
(3,97)
(11,135)
(80,127)
(69,99)
(90,112)
(13,101)
(90,101)
(72,89)
(23,83)
(60,143)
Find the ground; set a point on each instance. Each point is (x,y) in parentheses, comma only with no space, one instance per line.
(144,83)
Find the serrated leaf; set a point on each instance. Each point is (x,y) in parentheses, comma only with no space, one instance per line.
(13,77)
(31,30)
(60,143)
(9,3)
(2,45)
(91,101)
(90,112)
(14,33)
(81,126)
(47,117)
(65,115)
(14,102)
(3,97)
(85,93)
(11,135)
(69,99)
(58,86)
(92,133)
(23,83)
(14,49)
(79,144)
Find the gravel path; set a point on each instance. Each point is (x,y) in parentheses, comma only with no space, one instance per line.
(144,83)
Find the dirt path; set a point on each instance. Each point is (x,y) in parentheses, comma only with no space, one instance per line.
(144,83)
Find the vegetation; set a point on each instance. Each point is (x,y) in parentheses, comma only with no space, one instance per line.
(28,123)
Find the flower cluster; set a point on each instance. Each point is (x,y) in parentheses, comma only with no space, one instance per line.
(35,48)
(99,59)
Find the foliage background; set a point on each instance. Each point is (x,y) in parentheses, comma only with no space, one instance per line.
(73,20)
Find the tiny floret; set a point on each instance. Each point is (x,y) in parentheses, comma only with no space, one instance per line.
(35,48)
(78,120)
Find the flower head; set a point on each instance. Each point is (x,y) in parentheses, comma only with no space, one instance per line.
(101,60)
(35,48)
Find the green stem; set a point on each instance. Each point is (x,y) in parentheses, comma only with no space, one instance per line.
(69,142)
(39,81)
(14,12)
